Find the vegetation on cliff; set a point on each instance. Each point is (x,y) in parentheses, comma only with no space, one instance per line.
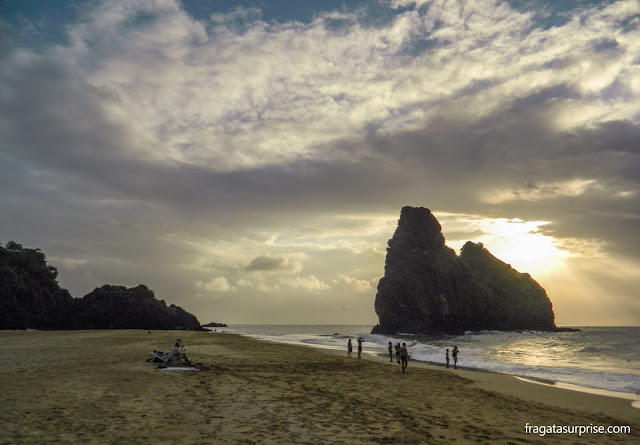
(30,297)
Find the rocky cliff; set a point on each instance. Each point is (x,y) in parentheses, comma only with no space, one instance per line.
(31,298)
(214,324)
(118,307)
(428,289)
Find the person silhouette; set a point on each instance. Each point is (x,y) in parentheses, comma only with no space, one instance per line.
(454,354)
(390,352)
(360,341)
(404,356)
(397,347)
(349,348)
(447,356)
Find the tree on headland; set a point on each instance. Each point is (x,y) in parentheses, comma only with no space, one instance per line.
(31,298)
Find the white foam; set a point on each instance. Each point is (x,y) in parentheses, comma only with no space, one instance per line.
(599,358)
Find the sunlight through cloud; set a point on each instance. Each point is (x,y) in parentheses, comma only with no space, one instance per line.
(518,243)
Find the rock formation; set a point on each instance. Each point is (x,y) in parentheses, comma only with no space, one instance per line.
(428,289)
(214,324)
(118,307)
(31,298)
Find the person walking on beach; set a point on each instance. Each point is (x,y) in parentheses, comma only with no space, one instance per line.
(447,355)
(360,341)
(397,347)
(404,356)
(390,352)
(454,354)
(349,348)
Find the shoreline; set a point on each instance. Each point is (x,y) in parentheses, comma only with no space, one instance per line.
(95,387)
(565,395)
(634,399)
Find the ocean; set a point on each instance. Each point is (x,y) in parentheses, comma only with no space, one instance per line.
(596,358)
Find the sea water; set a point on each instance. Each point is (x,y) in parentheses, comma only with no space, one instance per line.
(605,358)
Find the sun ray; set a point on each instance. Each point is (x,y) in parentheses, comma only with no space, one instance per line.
(516,242)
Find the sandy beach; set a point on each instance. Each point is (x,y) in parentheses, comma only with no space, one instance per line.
(94,387)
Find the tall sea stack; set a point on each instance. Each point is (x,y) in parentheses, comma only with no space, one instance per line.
(428,289)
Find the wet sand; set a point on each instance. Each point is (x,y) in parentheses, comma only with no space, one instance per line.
(95,387)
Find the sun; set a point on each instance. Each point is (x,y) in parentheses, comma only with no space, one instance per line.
(519,243)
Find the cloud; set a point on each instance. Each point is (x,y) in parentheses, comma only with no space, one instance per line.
(537,192)
(172,148)
(218,108)
(355,284)
(68,263)
(284,285)
(309,283)
(218,284)
(273,265)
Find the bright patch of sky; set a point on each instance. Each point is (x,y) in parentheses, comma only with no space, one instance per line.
(514,241)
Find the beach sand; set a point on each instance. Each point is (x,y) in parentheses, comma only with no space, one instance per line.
(94,387)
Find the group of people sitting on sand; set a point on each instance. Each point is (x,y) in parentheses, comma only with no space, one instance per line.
(176,355)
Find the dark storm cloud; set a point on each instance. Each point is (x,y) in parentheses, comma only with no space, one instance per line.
(442,164)
(56,125)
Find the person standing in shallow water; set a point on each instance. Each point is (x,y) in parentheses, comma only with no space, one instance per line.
(390,352)
(404,356)
(397,347)
(349,348)
(447,357)
(454,354)
(360,341)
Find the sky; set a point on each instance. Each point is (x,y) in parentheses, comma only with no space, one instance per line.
(248,160)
